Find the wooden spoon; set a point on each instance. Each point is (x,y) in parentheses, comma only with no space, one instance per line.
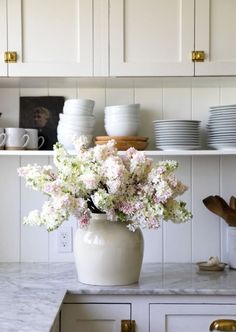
(232,202)
(213,204)
(217,205)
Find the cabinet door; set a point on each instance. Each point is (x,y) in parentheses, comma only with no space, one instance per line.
(188,317)
(216,36)
(151,37)
(93,317)
(51,37)
(3,39)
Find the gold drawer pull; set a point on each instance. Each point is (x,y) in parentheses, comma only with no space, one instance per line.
(198,56)
(10,57)
(223,325)
(128,326)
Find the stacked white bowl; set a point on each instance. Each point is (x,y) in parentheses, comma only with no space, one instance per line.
(122,120)
(77,119)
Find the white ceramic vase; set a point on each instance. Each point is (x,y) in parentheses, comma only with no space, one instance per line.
(232,247)
(107,253)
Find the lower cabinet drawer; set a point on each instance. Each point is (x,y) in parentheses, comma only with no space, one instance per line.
(94,317)
(188,317)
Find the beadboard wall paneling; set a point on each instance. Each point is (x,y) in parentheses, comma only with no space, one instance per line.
(177,103)
(33,240)
(9,210)
(196,240)
(9,107)
(151,109)
(227,189)
(205,225)
(202,98)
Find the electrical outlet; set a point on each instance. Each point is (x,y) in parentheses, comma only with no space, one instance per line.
(64,239)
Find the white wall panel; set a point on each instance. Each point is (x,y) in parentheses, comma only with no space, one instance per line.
(33,92)
(228,189)
(33,239)
(205,224)
(202,99)
(9,107)
(9,210)
(119,96)
(151,109)
(177,103)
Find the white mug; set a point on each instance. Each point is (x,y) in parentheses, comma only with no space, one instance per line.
(16,139)
(35,141)
(2,138)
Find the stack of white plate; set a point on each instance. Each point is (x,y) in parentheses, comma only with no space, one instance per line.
(222,127)
(177,134)
(122,120)
(77,119)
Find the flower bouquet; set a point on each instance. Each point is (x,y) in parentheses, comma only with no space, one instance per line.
(130,189)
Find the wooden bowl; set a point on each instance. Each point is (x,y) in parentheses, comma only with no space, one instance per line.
(125,145)
(122,138)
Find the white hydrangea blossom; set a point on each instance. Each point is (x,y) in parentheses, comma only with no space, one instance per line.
(130,188)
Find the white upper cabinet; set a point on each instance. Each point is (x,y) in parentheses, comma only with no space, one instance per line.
(3,39)
(151,37)
(73,38)
(215,34)
(50,37)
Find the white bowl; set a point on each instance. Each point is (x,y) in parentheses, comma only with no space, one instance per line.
(71,124)
(121,123)
(81,130)
(122,111)
(77,119)
(122,129)
(69,131)
(125,106)
(84,103)
(76,116)
(124,117)
(77,111)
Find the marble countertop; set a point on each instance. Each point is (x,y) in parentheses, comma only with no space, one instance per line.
(32,293)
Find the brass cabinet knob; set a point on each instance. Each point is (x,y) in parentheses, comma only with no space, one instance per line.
(198,56)
(10,57)
(223,325)
(128,326)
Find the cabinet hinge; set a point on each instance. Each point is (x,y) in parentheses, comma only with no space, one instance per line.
(10,57)
(198,56)
(128,326)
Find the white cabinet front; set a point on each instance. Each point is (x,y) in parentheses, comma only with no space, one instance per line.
(51,37)
(188,317)
(94,317)
(215,33)
(3,39)
(151,37)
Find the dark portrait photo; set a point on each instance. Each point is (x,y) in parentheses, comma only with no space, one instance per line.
(42,113)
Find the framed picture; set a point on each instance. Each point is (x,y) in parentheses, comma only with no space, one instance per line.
(42,113)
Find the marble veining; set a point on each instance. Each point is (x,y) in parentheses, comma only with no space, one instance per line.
(32,293)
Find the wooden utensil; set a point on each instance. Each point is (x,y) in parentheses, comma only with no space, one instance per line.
(213,205)
(232,202)
(217,205)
